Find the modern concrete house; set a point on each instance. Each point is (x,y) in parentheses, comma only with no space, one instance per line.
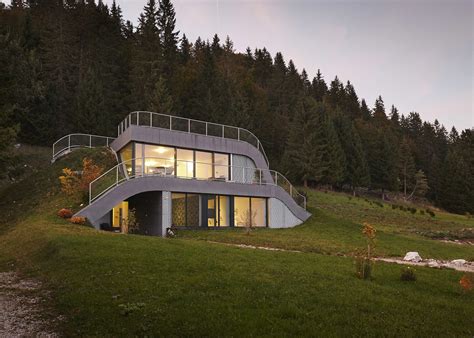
(178,172)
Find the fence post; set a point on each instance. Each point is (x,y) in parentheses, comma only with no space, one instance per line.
(291,191)
(238,134)
(68,142)
(222,131)
(260,176)
(206,128)
(151,119)
(138,118)
(90,192)
(276,178)
(170,123)
(90,141)
(116,176)
(189,126)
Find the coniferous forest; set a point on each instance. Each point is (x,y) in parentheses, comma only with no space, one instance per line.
(78,66)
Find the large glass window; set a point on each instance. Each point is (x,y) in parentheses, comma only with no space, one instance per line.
(184,163)
(223,211)
(249,211)
(242,215)
(203,165)
(126,157)
(159,160)
(221,166)
(258,207)
(138,159)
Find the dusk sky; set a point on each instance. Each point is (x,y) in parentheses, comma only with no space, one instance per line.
(417,54)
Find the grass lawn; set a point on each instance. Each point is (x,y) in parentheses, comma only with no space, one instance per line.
(335,228)
(122,285)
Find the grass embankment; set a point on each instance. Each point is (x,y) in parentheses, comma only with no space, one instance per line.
(335,228)
(112,284)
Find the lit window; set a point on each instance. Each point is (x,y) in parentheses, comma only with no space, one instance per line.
(184,163)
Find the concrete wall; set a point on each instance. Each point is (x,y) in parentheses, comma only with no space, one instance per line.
(166,212)
(279,216)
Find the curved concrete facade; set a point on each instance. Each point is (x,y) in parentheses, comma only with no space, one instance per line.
(100,207)
(186,140)
(282,210)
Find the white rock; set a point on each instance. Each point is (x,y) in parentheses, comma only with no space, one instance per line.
(458,261)
(412,256)
(433,263)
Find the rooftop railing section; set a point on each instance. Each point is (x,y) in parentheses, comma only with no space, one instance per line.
(163,167)
(176,123)
(72,141)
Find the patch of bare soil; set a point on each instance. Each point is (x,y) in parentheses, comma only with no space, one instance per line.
(23,310)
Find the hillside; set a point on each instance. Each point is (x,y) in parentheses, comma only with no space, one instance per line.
(113,284)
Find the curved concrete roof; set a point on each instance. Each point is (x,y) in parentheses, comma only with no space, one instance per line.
(127,189)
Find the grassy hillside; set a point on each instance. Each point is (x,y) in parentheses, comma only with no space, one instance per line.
(335,228)
(113,284)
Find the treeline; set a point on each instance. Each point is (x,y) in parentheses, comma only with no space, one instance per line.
(77,66)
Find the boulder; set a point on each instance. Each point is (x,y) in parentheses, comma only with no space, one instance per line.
(433,263)
(412,256)
(458,262)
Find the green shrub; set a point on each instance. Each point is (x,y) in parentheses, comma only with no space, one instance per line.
(413,210)
(408,275)
(422,212)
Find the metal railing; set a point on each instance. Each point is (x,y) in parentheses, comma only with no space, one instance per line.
(165,167)
(72,141)
(175,123)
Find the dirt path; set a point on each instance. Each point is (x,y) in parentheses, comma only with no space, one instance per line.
(22,308)
(431,263)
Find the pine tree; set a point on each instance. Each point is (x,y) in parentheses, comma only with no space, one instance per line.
(161,101)
(319,87)
(356,171)
(365,111)
(406,165)
(168,36)
(303,155)
(379,110)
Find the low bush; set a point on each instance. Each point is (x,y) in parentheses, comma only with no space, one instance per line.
(430,212)
(408,275)
(413,210)
(65,213)
(78,220)
(422,212)
(467,282)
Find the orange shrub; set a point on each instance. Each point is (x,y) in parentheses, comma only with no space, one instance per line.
(467,282)
(65,213)
(73,183)
(78,220)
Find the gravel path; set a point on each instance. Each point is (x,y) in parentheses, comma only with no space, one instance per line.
(22,307)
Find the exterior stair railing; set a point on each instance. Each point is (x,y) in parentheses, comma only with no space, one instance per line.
(66,143)
(175,123)
(162,167)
